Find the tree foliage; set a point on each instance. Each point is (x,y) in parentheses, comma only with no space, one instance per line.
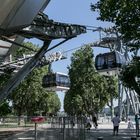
(30,97)
(112,86)
(124,13)
(5,109)
(53,103)
(73,104)
(87,94)
(22,51)
(112,90)
(130,75)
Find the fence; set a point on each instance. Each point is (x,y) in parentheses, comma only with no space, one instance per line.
(65,128)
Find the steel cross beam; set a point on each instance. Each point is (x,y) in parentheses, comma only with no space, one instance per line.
(27,68)
(114,42)
(45,30)
(18,77)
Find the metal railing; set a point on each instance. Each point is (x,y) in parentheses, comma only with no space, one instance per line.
(65,128)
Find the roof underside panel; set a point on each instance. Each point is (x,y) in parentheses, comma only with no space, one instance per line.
(4,47)
(16,14)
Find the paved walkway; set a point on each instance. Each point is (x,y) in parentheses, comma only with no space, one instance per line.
(104,130)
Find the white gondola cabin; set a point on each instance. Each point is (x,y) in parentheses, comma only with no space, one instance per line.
(109,63)
(56,82)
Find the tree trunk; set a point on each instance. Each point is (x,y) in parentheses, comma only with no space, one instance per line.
(19,120)
(112,108)
(19,117)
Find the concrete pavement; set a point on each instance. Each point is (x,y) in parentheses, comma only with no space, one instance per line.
(104,130)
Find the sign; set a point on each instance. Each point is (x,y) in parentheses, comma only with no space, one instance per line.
(38,119)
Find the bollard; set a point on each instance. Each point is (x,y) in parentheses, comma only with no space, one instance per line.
(100,138)
(35,131)
(133,138)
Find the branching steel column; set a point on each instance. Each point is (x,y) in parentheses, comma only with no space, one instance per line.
(18,77)
(136,101)
(127,105)
(120,98)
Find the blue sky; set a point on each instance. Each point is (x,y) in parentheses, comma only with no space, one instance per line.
(75,12)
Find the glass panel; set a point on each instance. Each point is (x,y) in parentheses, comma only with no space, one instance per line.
(49,80)
(62,80)
(52,80)
(111,60)
(100,62)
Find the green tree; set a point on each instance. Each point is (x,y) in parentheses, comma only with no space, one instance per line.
(86,94)
(130,75)
(73,104)
(27,95)
(22,51)
(53,103)
(30,97)
(5,109)
(124,13)
(112,90)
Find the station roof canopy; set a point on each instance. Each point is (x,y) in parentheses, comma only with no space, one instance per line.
(16,15)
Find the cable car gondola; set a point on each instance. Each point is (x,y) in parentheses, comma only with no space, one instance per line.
(109,61)
(56,81)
